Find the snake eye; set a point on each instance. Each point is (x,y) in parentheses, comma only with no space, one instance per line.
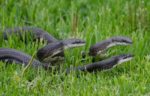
(126,56)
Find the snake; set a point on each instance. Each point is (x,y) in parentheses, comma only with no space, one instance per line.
(100,47)
(37,33)
(14,56)
(56,47)
(52,51)
(104,64)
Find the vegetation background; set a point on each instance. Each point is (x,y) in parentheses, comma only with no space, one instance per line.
(91,20)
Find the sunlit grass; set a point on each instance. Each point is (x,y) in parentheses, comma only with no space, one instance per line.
(91,20)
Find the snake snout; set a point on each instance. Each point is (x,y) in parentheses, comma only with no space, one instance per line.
(124,58)
(121,40)
(72,43)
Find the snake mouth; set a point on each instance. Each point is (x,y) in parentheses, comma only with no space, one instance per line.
(122,40)
(112,45)
(124,58)
(100,47)
(72,43)
(118,43)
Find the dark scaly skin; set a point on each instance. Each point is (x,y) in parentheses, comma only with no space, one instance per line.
(101,65)
(45,53)
(52,50)
(37,33)
(103,45)
(21,58)
(47,50)
(12,55)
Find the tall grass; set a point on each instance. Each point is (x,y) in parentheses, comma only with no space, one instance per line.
(91,20)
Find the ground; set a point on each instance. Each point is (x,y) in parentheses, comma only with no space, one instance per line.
(92,21)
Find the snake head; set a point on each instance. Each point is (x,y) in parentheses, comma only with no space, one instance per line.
(55,51)
(104,64)
(120,40)
(124,58)
(100,47)
(71,43)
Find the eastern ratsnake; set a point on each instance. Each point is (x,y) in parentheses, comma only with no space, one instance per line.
(54,50)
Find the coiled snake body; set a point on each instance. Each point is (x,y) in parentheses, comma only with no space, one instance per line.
(54,50)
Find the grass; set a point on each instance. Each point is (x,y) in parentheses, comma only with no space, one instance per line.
(91,20)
